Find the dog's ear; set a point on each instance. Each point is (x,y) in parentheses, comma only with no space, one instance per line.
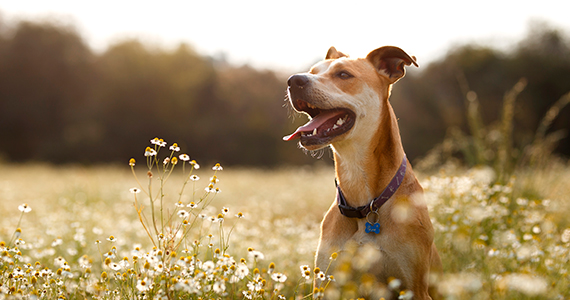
(390,61)
(334,54)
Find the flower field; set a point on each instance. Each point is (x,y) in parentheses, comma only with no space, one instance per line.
(220,233)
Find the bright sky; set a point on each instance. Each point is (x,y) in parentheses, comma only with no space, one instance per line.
(291,35)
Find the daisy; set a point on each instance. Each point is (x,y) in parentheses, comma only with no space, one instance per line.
(208,266)
(194,178)
(278,277)
(115,266)
(305,271)
(159,142)
(394,283)
(247,294)
(241,271)
(256,255)
(149,152)
(175,147)
(25,208)
(59,261)
(142,285)
(217,167)
(219,287)
(135,190)
(184,157)
(124,263)
(318,293)
(183,214)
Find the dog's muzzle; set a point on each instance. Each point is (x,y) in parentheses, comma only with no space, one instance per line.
(326,122)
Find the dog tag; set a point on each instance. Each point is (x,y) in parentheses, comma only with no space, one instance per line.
(372,226)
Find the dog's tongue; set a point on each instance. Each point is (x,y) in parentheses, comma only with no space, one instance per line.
(317,121)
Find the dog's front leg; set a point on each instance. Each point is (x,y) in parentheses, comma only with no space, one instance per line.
(336,230)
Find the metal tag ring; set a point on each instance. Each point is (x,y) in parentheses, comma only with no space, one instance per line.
(370,213)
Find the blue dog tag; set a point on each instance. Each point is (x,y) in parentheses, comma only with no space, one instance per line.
(373,228)
(372,225)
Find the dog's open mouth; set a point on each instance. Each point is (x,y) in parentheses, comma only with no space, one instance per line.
(325,124)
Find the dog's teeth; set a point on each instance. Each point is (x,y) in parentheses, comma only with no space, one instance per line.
(335,126)
(339,122)
(315,131)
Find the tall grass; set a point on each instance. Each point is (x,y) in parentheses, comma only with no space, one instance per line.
(492,144)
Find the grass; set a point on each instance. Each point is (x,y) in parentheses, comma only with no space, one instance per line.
(76,210)
(84,238)
(160,232)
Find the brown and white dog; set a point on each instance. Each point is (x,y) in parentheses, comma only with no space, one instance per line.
(347,102)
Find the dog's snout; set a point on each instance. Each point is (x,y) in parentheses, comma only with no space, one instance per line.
(298,81)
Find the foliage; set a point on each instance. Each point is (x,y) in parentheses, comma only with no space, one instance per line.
(493,145)
(434,100)
(58,99)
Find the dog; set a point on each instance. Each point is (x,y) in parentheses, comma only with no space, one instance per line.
(379,199)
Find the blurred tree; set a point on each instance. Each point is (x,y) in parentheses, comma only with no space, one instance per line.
(543,57)
(434,99)
(44,74)
(149,92)
(251,104)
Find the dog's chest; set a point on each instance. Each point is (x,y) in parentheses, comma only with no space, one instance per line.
(362,237)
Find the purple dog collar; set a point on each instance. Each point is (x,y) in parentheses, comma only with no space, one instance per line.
(362,211)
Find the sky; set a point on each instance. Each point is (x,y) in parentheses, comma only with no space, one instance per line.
(291,35)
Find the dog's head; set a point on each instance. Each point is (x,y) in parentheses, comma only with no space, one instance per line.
(344,97)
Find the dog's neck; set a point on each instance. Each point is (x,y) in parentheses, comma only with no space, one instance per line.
(364,169)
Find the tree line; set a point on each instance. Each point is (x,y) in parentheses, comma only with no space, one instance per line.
(62,102)
(435,101)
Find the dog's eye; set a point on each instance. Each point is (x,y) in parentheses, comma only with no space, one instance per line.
(344,75)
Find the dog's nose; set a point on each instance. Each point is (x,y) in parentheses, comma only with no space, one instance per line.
(298,80)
